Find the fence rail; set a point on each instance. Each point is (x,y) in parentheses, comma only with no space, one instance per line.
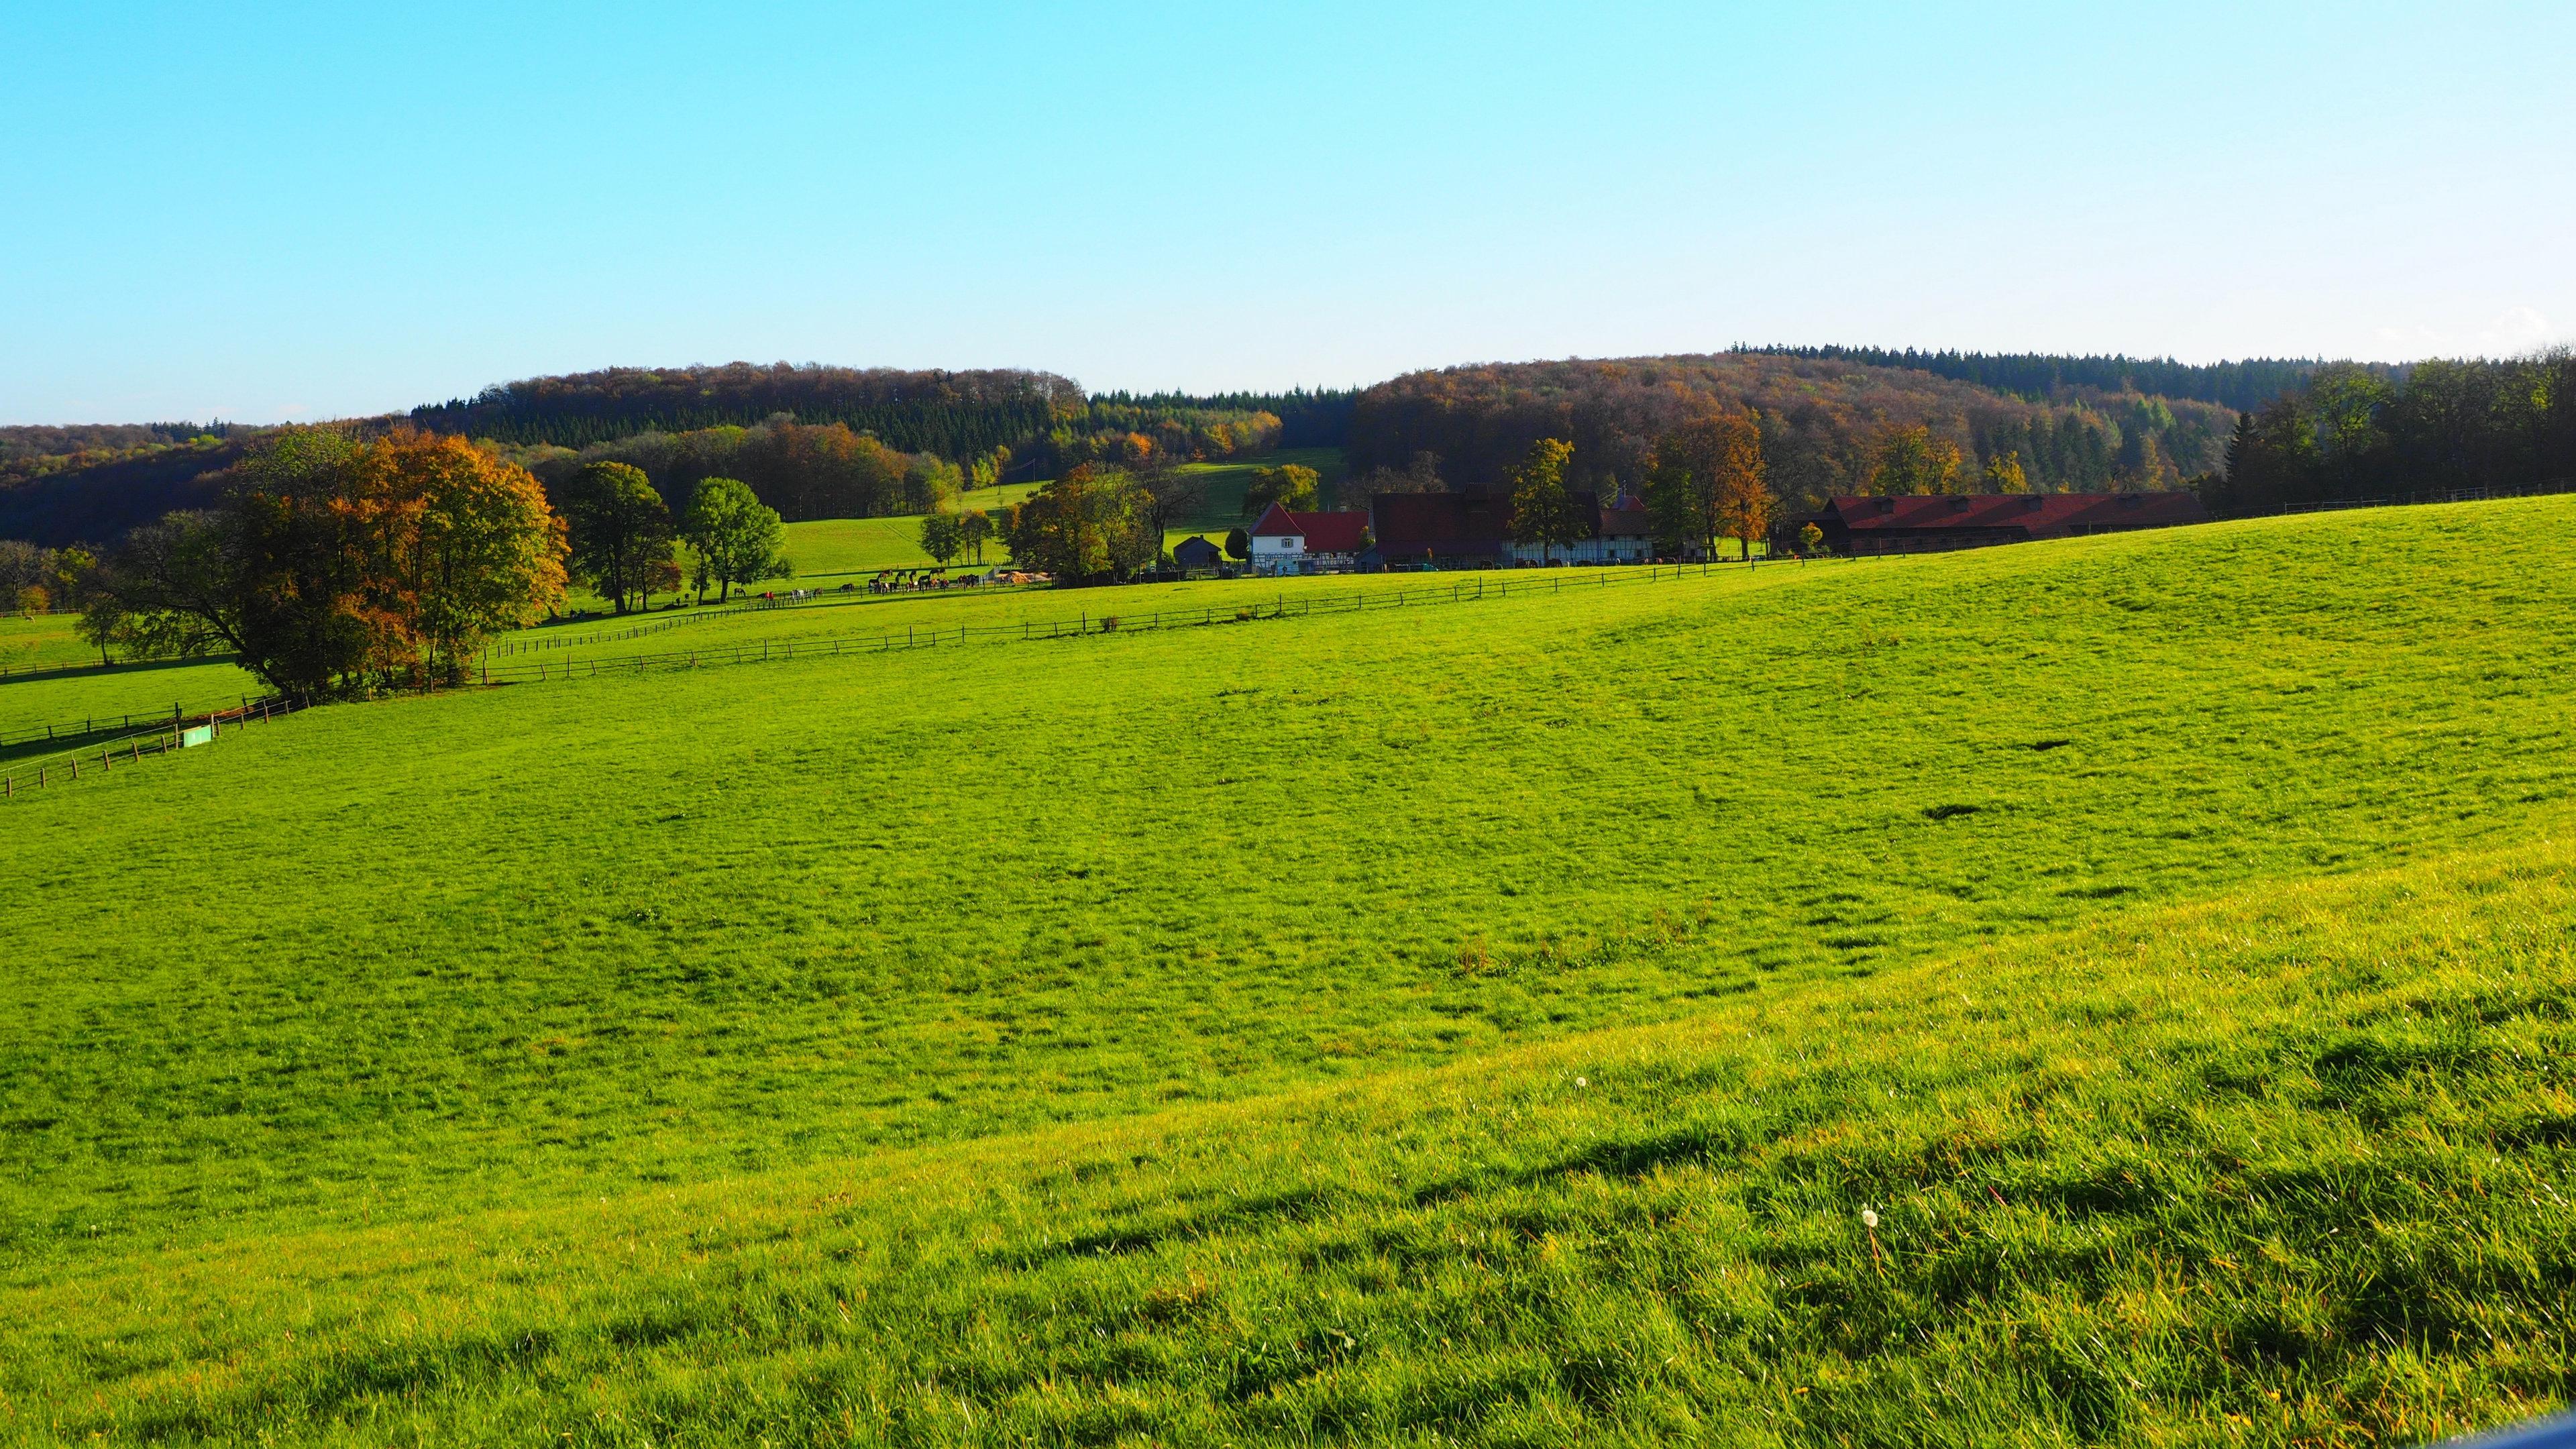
(2455,495)
(101,724)
(1463,590)
(50,771)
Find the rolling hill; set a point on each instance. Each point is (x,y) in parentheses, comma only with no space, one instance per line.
(2104,990)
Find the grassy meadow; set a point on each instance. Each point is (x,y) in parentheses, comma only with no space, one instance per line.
(1478,1024)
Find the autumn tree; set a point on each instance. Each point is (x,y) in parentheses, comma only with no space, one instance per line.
(26,576)
(471,548)
(1088,525)
(1543,512)
(975,529)
(737,538)
(336,566)
(2004,474)
(1743,499)
(1705,480)
(1290,485)
(619,528)
(1915,461)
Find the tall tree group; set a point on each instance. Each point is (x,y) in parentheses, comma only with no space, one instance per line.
(1705,481)
(2357,433)
(1092,525)
(335,565)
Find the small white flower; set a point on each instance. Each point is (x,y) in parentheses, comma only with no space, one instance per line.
(1869,1217)
(1583,1081)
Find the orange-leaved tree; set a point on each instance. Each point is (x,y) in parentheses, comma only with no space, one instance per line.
(1705,481)
(476,549)
(341,566)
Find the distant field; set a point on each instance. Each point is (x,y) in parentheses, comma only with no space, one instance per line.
(834,549)
(1485,1022)
(837,547)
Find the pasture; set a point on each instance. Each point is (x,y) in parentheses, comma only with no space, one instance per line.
(1483,1021)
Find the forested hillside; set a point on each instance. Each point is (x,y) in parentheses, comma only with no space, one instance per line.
(100,492)
(830,442)
(2357,433)
(949,413)
(1822,421)
(1043,421)
(2244,385)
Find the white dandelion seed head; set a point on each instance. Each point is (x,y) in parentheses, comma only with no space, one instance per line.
(1869,1217)
(1583,1081)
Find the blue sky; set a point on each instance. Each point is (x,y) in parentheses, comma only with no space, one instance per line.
(266,212)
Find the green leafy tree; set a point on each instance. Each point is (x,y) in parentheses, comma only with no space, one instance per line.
(942,536)
(1238,545)
(620,529)
(1290,485)
(975,527)
(1543,510)
(1915,461)
(80,583)
(737,538)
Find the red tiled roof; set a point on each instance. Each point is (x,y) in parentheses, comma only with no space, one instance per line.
(1324,532)
(2031,513)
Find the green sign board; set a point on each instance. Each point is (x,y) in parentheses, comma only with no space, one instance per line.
(196,735)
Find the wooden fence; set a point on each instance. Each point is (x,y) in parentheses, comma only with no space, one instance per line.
(124,753)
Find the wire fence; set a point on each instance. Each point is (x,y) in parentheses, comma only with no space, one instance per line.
(2455,495)
(1462,590)
(105,757)
(76,731)
(698,614)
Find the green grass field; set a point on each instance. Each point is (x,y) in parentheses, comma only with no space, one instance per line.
(826,553)
(1483,1023)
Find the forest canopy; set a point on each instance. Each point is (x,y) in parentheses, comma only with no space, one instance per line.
(2355,433)
(1824,423)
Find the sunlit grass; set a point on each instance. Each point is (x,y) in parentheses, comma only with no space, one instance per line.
(1485,1021)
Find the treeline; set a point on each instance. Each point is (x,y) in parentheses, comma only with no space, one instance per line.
(97,501)
(28,453)
(803,470)
(2038,375)
(953,414)
(1824,424)
(1044,420)
(2356,433)
(1307,419)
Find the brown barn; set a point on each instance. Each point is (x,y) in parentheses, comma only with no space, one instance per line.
(1938,522)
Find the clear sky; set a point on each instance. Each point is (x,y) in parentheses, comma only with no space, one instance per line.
(266,212)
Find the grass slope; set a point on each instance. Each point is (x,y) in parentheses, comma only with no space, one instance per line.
(662,1017)
(833,548)
(2285,1168)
